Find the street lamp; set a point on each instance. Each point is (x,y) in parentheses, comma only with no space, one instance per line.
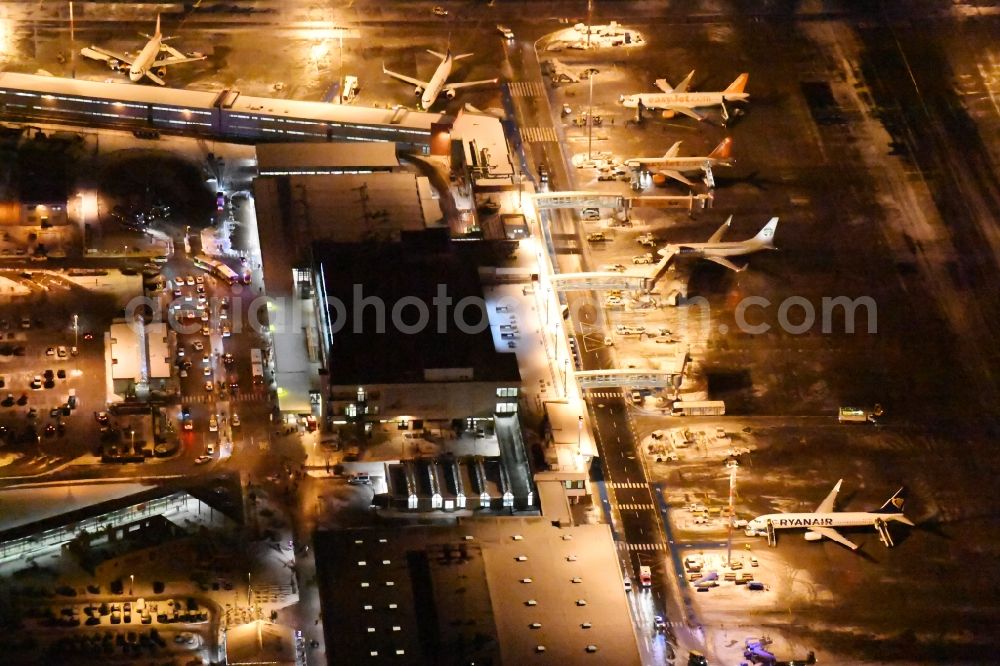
(579,436)
(590,109)
(131,583)
(132,444)
(732,464)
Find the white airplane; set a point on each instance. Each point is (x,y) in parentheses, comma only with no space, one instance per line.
(821,523)
(714,249)
(674,100)
(563,73)
(429,90)
(145,63)
(673,166)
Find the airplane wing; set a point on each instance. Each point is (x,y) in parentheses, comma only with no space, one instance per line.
(171,50)
(154,78)
(834,535)
(683,110)
(175,60)
(722,261)
(826,506)
(466,84)
(667,255)
(683,85)
(717,236)
(97,53)
(403,77)
(677,175)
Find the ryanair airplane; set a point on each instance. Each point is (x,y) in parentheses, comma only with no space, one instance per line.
(821,523)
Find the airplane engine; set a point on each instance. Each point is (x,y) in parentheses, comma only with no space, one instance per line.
(812,536)
(418,91)
(450,93)
(160,72)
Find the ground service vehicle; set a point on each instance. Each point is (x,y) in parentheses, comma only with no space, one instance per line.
(645,576)
(853,415)
(349,90)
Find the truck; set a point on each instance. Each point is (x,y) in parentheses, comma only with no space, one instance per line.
(505,31)
(699,408)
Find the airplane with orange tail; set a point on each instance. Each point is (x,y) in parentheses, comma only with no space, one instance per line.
(677,99)
(674,166)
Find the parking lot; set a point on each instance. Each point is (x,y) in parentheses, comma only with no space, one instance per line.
(48,390)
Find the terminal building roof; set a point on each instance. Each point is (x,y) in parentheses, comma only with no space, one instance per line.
(490,590)
(451,346)
(321,158)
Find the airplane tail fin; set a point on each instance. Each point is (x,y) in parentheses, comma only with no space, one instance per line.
(739,84)
(894,506)
(158,33)
(766,235)
(462,55)
(724,150)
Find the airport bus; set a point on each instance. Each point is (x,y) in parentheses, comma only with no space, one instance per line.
(257,370)
(256,356)
(217,268)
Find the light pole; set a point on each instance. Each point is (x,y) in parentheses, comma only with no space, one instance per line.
(132,435)
(579,436)
(131,583)
(590,19)
(72,43)
(731,464)
(590,109)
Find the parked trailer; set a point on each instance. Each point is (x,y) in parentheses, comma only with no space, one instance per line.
(699,408)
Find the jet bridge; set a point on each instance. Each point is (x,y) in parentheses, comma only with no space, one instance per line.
(601,281)
(691,202)
(632,377)
(595,199)
(578,199)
